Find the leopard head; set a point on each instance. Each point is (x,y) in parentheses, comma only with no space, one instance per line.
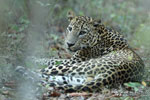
(81,32)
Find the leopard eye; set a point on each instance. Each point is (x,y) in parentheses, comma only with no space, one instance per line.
(70,28)
(82,32)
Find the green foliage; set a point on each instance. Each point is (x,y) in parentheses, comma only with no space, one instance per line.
(21,25)
(127,98)
(134,85)
(141,36)
(58,62)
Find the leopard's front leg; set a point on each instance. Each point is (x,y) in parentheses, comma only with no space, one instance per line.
(79,56)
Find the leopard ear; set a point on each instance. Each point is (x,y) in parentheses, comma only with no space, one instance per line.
(70,15)
(96,23)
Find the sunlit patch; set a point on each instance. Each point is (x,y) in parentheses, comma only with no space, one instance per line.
(130,57)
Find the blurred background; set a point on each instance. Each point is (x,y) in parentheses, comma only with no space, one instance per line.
(36,28)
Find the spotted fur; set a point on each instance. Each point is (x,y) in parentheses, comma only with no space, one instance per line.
(102,57)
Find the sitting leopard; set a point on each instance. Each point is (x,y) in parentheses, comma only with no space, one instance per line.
(102,58)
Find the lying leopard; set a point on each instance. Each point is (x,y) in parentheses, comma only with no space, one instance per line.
(102,58)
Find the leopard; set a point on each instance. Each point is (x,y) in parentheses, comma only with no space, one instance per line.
(101,57)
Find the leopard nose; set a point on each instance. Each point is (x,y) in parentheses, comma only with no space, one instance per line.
(70,44)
